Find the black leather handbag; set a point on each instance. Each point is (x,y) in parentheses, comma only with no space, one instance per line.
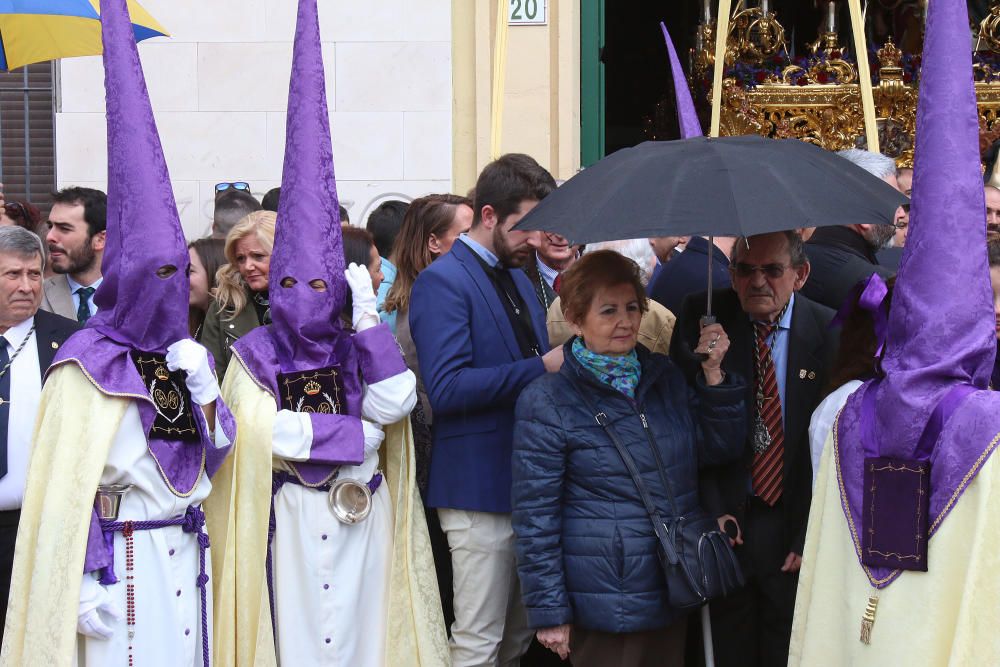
(698,563)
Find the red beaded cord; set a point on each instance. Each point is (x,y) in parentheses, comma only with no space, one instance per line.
(127,533)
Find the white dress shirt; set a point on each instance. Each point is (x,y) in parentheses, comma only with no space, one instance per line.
(74,286)
(25,393)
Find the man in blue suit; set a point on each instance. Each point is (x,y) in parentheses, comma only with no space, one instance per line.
(481,338)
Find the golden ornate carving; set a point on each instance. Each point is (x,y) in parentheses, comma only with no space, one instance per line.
(754,35)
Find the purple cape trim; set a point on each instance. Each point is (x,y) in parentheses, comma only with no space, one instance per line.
(110,369)
(965,445)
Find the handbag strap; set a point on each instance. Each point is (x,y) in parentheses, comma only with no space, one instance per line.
(602,419)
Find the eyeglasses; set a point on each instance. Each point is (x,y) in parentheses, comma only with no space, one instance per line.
(743,270)
(238,185)
(901,224)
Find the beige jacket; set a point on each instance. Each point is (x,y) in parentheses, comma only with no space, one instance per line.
(56,297)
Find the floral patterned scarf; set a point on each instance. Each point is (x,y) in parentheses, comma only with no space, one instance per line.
(622,372)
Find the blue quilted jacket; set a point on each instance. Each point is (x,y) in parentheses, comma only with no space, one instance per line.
(586,552)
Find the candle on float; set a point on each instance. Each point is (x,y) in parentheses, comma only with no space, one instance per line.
(831,17)
(763,6)
(706,10)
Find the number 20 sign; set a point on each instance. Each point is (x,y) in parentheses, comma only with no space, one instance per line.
(526,12)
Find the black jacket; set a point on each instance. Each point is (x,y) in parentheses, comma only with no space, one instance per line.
(687,274)
(840,259)
(51,331)
(811,350)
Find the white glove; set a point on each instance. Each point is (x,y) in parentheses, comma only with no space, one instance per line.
(366,470)
(96,612)
(374,435)
(365,315)
(192,358)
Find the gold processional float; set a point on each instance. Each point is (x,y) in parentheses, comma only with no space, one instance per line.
(822,97)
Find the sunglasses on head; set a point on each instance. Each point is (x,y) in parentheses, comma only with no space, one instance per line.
(238,185)
(743,270)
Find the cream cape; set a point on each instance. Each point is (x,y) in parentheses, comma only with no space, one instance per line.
(73,435)
(239,509)
(947,616)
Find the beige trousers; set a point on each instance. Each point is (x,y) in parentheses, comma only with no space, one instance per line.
(491,625)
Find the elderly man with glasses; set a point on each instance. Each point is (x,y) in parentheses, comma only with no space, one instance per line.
(782,346)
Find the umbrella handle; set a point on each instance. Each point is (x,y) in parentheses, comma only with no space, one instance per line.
(706,637)
(705,321)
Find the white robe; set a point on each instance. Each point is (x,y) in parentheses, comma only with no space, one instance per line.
(330,578)
(167,599)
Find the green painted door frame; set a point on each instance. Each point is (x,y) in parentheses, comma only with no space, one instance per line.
(591,81)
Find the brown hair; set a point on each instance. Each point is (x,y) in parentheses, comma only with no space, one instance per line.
(856,355)
(604,268)
(212,253)
(358,244)
(426,216)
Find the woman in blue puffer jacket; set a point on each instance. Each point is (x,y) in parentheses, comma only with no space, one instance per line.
(586,553)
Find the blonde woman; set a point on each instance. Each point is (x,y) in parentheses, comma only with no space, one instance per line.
(241,301)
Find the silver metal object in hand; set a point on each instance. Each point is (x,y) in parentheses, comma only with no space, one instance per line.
(109,500)
(761,436)
(350,500)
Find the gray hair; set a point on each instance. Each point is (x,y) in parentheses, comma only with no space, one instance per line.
(19,241)
(638,250)
(796,248)
(876,164)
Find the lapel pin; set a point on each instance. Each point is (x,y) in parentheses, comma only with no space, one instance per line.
(55,345)
(812,375)
(802,374)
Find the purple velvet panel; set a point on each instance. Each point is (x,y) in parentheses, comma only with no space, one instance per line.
(965,445)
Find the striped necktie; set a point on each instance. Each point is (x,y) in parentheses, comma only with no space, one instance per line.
(766,469)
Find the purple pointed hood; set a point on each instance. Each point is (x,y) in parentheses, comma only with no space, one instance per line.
(137,308)
(687,117)
(307,242)
(143,300)
(941,324)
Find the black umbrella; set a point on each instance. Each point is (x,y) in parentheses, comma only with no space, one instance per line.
(728,186)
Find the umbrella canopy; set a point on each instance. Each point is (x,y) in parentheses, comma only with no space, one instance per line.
(33,31)
(728,186)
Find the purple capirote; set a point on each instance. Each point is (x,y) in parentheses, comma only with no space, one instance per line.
(941,324)
(308,244)
(306,333)
(138,309)
(686,114)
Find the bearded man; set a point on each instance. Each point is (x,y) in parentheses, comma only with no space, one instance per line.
(76,246)
(481,338)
